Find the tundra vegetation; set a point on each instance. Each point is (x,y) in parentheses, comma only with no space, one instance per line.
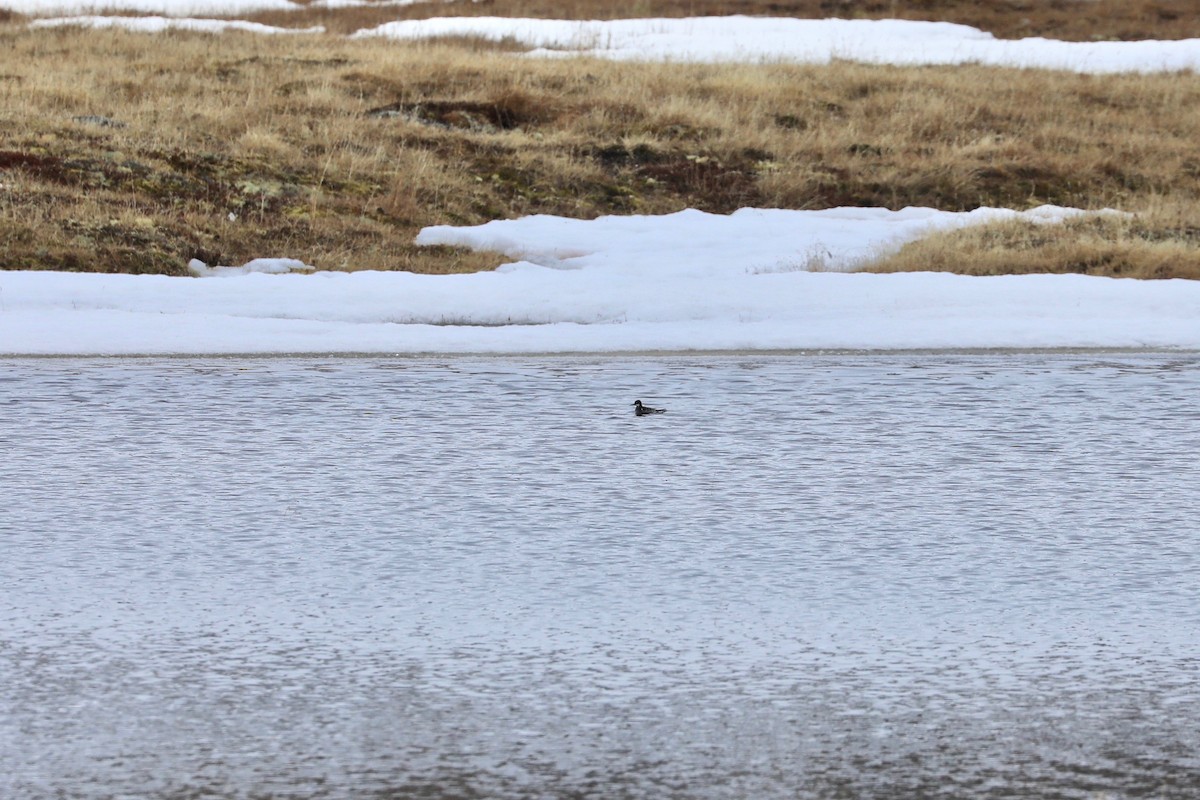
(128,152)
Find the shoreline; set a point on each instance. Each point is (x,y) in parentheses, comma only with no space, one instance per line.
(625,354)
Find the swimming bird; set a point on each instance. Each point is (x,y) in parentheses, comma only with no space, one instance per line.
(642,410)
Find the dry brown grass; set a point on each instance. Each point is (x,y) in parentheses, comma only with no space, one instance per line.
(231,147)
(1161,242)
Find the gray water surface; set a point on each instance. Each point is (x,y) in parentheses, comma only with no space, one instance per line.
(876,576)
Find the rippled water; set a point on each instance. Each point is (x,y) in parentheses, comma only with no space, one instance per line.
(815,576)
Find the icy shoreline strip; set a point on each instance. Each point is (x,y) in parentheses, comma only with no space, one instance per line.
(679,282)
(109,315)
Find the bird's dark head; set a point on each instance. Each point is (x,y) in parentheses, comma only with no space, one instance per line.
(637,403)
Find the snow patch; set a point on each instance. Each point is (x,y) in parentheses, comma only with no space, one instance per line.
(160,24)
(267,266)
(762,39)
(165,8)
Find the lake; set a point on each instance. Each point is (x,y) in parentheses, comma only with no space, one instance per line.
(816,576)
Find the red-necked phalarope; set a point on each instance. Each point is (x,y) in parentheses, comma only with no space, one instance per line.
(642,410)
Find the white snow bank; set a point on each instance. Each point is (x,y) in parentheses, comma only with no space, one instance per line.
(692,244)
(160,24)
(685,281)
(900,42)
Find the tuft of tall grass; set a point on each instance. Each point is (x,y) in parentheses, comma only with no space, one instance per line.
(1161,242)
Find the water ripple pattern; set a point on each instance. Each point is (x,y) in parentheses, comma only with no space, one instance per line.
(874,576)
